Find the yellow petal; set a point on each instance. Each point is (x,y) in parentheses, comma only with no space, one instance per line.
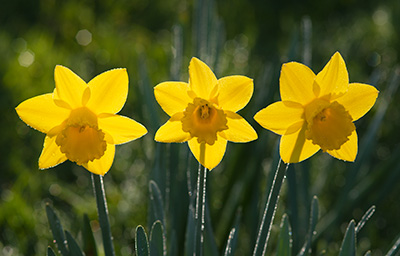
(213,153)
(239,130)
(102,166)
(234,92)
(172,131)
(201,79)
(108,91)
(122,129)
(333,80)
(295,147)
(51,154)
(172,96)
(69,86)
(359,99)
(348,151)
(296,83)
(282,117)
(42,113)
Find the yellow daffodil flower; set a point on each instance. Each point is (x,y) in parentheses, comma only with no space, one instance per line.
(317,111)
(203,112)
(80,121)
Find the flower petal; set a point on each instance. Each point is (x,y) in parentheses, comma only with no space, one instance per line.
(359,99)
(296,83)
(102,166)
(69,86)
(42,113)
(348,151)
(280,116)
(172,131)
(333,80)
(234,92)
(51,154)
(295,147)
(108,91)
(201,79)
(213,153)
(239,129)
(122,129)
(172,96)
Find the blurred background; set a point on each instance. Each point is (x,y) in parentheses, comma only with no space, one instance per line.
(155,40)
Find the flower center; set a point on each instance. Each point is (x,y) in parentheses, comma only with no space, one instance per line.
(203,120)
(81,140)
(328,124)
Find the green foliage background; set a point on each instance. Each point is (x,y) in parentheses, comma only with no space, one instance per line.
(155,40)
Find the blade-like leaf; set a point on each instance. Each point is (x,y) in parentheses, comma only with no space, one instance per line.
(365,218)
(157,240)
(141,244)
(57,230)
(73,246)
(348,247)
(89,244)
(314,212)
(285,238)
(156,202)
(395,249)
(233,236)
(50,252)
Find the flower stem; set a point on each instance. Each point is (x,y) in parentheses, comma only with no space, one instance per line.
(99,192)
(270,208)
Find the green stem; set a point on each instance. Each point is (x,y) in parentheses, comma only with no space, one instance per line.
(99,192)
(270,208)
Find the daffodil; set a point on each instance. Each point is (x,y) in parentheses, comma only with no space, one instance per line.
(80,120)
(203,112)
(317,111)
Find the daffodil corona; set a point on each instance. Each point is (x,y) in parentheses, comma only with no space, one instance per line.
(203,112)
(317,111)
(80,119)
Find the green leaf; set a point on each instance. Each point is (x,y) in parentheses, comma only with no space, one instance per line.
(57,230)
(190,232)
(156,202)
(285,238)
(141,244)
(50,252)
(365,218)
(89,244)
(368,253)
(395,250)
(157,240)
(233,236)
(348,247)
(73,246)
(314,212)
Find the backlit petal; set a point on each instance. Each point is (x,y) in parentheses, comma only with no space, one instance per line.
(333,80)
(296,83)
(102,166)
(172,96)
(108,91)
(42,113)
(234,92)
(69,86)
(239,129)
(295,147)
(282,117)
(122,129)
(172,131)
(348,151)
(201,79)
(51,154)
(213,153)
(359,99)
